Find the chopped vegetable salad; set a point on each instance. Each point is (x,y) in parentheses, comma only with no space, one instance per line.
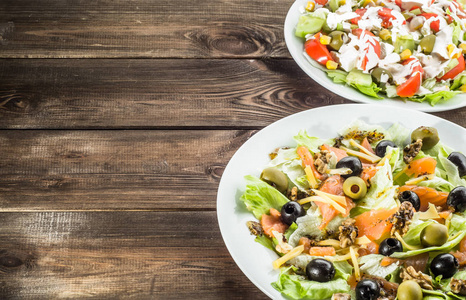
(374,213)
(411,49)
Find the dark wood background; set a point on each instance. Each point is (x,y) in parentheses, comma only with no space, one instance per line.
(117,118)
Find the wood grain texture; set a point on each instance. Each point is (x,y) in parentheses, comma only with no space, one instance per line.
(135,255)
(131,170)
(80,94)
(142,28)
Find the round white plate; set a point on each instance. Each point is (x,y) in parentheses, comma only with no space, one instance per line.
(296,47)
(254,259)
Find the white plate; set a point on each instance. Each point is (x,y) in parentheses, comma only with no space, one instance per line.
(254,259)
(296,47)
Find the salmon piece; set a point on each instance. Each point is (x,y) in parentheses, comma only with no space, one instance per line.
(418,262)
(338,152)
(308,160)
(461,257)
(273,222)
(386,261)
(425,165)
(365,143)
(333,185)
(463,245)
(371,248)
(374,223)
(427,195)
(322,251)
(368,173)
(306,242)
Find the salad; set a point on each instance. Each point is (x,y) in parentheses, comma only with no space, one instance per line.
(374,213)
(411,49)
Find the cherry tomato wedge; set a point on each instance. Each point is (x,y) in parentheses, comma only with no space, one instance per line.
(360,12)
(456,70)
(321,2)
(317,51)
(410,86)
(435,25)
(386,15)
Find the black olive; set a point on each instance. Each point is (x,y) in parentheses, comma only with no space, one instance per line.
(457,198)
(381,147)
(320,270)
(459,160)
(352,163)
(367,289)
(444,264)
(390,246)
(412,197)
(291,211)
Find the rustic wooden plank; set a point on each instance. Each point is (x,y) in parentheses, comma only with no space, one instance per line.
(142,28)
(137,255)
(144,93)
(88,170)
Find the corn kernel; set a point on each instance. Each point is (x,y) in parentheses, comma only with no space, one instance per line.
(405,54)
(342,2)
(325,39)
(462,46)
(310,6)
(456,54)
(331,65)
(385,34)
(368,3)
(463,88)
(450,49)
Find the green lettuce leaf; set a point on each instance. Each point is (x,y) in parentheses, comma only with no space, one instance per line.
(289,163)
(370,264)
(457,224)
(342,268)
(458,82)
(307,226)
(298,287)
(259,197)
(382,192)
(398,134)
(413,236)
(266,242)
(436,97)
(338,76)
(371,90)
(445,247)
(312,143)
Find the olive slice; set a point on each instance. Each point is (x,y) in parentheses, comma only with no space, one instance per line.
(354,187)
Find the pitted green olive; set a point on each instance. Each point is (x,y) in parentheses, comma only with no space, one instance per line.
(427,43)
(428,135)
(381,75)
(434,235)
(338,39)
(354,187)
(275,178)
(409,290)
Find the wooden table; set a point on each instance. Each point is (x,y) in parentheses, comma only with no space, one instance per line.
(117,119)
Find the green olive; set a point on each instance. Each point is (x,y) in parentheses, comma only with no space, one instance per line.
(275,178)
(409,290)
(338,39)
(428,135)
(354,187)
(379,73)
(434,235)
(427,43)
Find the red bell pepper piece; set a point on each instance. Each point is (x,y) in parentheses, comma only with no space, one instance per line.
(317,51)
(360,12)
(435,25)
